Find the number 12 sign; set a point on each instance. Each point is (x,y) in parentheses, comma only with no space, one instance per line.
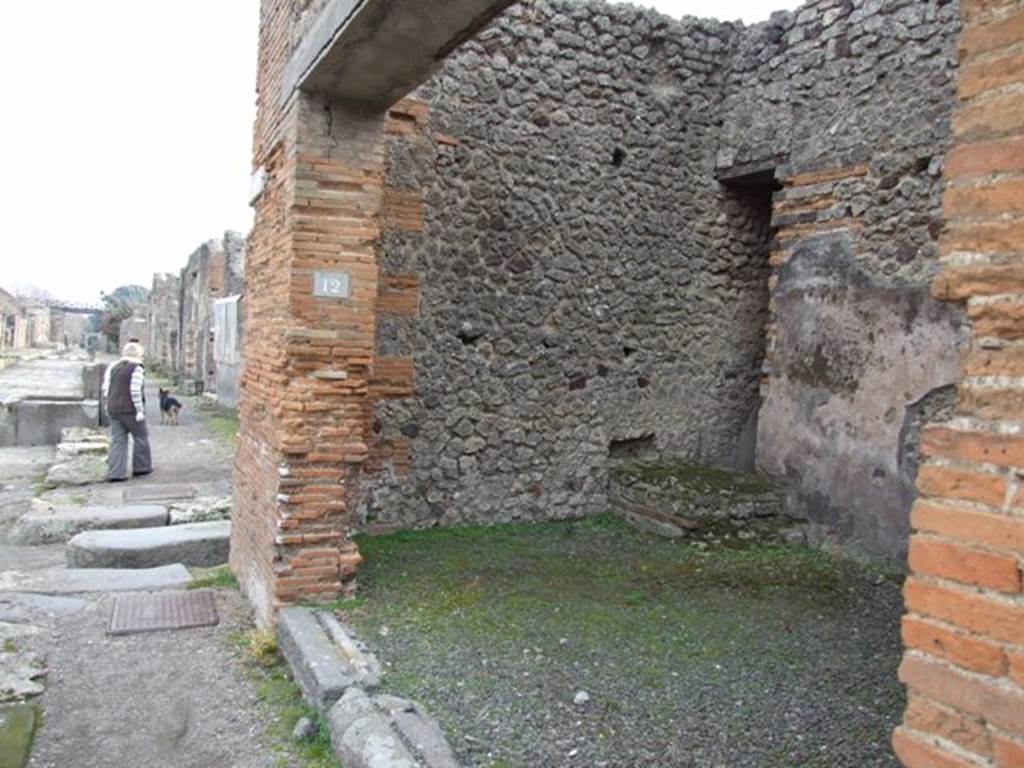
(330,285)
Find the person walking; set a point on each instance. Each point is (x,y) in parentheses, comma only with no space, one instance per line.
(123,391)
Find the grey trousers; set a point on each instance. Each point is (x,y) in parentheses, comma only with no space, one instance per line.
(121,426)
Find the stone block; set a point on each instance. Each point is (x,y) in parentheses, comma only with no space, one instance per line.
(195,544)
(77,470)
(40,422)
(200,510)
(419,730)
(92,380)
(362,736)
(323,657)
(61,524)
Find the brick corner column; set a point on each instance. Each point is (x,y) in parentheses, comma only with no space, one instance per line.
(964,623)
(308,356)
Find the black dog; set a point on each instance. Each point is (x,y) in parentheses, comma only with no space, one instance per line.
(169,408)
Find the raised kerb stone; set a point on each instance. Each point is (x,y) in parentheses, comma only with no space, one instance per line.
(324,658)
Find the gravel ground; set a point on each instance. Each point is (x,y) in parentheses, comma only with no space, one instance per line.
(688,655)
(174,699)
(160,699)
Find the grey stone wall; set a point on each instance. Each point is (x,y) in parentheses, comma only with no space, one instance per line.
(163,322)
(851,103)
(587,286)
(195,352)
(214,270)
(623,210)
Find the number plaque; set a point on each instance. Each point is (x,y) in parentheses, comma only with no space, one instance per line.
(330,285)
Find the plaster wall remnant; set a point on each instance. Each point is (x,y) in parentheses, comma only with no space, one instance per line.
(227,348)
(851,103)
(180,315)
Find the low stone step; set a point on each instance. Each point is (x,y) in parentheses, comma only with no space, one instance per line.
(59,525)
(158,492)
(68,581)
(195,544)
(676,498)
(324,659)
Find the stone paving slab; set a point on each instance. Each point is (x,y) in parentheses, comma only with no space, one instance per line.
(194,544)
(163,492)
(69,581)
(160,611)
(62,524)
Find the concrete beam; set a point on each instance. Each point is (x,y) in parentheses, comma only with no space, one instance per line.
(374,52)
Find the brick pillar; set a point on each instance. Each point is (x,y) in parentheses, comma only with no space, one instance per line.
(964,627)
(308,359)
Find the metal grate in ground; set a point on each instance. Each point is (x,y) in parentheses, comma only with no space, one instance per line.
(162,610)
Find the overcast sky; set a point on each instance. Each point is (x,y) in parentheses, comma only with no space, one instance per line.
(127,133)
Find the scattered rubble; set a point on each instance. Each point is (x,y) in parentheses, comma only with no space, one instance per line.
(201,510)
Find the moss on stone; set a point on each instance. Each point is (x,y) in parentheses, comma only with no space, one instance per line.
(17,727)
(695,477)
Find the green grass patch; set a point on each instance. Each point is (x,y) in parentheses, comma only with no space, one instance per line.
(39,485)
(526,614)
(218,577)
(278,692)
(223,424)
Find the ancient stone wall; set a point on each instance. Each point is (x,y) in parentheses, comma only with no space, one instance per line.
(586,289)
(850,104)
(10,314)
(132,329)
(191,360)
(163,321)
(964,665)
(37,322)
(214,270)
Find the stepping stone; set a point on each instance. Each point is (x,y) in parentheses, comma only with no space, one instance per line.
(167,492)
(195,544)
(61,524)
(68,581)
(324,659)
